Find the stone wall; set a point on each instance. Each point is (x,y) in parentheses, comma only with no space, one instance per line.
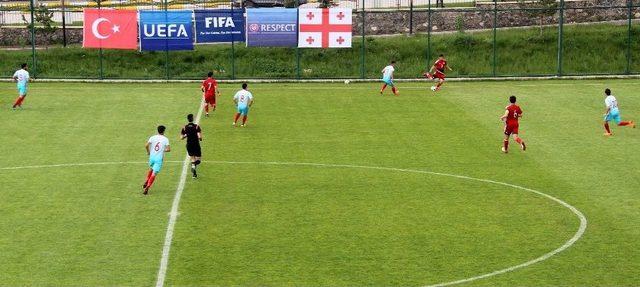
(21,37)
(397,22)
(481,17)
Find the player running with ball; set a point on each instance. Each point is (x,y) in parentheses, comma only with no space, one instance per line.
(613,113)
(439,68)
(510,117)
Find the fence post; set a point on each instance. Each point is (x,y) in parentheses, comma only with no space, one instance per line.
(298,48)
(100,56)
(166,43)
(560,37)
(33,41)
(428,34)
(233,48)
(362,49)
(628,68)
(411,17)
(64,25)
(495,29)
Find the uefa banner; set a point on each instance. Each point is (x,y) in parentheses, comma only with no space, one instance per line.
(166,30)
(272,27)
(219,25)
(325,28)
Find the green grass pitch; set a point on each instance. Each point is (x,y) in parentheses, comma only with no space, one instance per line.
(259,224)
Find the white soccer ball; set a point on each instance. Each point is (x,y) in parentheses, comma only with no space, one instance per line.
(346,82)
(433,88)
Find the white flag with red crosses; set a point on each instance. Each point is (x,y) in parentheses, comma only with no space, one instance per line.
(324,28)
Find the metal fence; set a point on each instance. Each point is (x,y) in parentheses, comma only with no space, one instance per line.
(479,38)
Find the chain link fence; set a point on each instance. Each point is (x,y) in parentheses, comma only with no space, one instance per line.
(479,38)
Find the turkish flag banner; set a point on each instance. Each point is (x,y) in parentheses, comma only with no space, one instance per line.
(110,29)
(325,28)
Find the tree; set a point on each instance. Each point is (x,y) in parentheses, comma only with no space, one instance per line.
(539,9)
(326,4)
(43,16)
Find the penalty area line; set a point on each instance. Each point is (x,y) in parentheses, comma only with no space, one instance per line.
(173,215)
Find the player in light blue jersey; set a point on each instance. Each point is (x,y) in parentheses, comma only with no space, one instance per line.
(387,78)
(243,100)
(613,113)
(156,146)
(22,78)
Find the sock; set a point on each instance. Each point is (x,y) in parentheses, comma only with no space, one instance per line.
(149,174)
(206,108)
(214,107)
(244,120)
(506,144)
(624,124)
(439,84)
(197,162)
(193,165)
(17,102)
(394,90)
(150,181)
(236,118)
(383,87)
(606,127)
(519,140)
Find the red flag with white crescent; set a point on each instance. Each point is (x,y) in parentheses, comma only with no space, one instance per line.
(110,29)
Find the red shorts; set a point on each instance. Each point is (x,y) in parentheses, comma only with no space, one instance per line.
(439,75)
(511,128)
(210,99)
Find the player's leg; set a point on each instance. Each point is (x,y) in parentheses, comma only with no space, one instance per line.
(236,117)
(519,140)
(384,86)
(505,143)
(245,112)
(22,93)
(393,88)
(607,130)
(157,166)
(440,82)
(619,122)
(146,180)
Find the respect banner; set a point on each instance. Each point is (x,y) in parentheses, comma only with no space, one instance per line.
(166,30)
(220,25)
(272,27)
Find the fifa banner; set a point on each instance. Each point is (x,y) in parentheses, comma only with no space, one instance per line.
(110,29)
(272,27)
(325,28)
(166,30)
(221,25)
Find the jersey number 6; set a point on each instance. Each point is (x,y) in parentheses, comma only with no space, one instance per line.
(157,147)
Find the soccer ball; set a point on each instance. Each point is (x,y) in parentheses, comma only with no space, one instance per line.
(433,88)
(346,82)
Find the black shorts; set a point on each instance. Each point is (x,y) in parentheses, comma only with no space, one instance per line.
(194,150)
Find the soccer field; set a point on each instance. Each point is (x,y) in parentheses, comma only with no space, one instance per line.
(328,185)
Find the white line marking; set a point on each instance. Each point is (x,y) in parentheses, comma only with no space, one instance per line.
(174,210)
(173,215)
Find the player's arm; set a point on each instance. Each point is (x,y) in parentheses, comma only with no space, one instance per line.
(448,68)
(432,68)
(183,134)
(146,146)
(167,148)
(505,115)
(606,112)
(199,133)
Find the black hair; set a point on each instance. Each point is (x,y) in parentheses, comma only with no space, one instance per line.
(607,92)
(244,86)
(210,74)
(512,99)
(190,118)
(24,65)
(441,55)
(161,129)
(393,62)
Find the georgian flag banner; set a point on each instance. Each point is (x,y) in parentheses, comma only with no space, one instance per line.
(110,29)
(324,28)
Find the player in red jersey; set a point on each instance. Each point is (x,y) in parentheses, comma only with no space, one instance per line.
(439,68)
(210,92)
(511,115)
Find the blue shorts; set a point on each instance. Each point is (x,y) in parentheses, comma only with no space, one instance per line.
(243,110)
(389,82)
(155,164)
(22,90)
(613,116)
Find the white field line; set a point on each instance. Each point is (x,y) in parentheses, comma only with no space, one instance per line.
(165,255)
(173,216)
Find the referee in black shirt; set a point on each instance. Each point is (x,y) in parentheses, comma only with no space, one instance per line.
(193,134)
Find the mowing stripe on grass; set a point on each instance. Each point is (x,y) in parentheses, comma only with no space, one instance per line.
(173,215)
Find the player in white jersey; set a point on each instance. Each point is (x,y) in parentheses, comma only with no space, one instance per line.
(156,146)
(22,78)
(243,100)
(612,113)
(387,78)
